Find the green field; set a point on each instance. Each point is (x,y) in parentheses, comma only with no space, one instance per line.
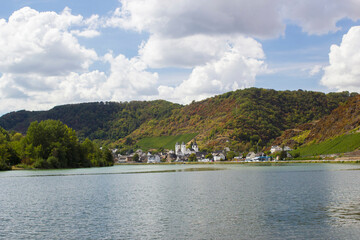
(166,142)
(341,144)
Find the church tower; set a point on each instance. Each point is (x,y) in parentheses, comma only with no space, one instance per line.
(195,146)
(183,148)
(177,149)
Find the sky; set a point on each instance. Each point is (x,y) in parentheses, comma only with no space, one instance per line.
(55,52)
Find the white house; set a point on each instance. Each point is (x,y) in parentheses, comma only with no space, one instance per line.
(250,156)
(279,149)
(153,158)
(218,156)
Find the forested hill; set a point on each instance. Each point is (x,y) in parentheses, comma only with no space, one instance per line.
(99,120)
(241,120)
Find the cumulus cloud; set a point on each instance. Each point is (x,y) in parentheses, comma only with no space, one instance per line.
(262,18)
(129,79)
(206,36)
(237,68)
(343,72)
(41,43)
(184,18)
(187,52)
(42,64)
(321,16)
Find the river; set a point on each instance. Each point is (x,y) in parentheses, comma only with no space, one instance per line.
(222,201)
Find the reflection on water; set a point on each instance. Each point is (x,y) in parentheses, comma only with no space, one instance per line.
(45,173)
(348,213)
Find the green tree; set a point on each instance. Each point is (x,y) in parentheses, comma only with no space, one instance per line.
(192,157)
(107,156)
(230,155)
(283,155)
(209,156)
(52,138)
(136,157)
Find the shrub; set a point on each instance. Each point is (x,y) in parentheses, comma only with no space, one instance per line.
(53,162)
(40,163)
(4,166)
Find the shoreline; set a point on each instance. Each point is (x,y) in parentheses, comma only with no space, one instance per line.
(236,162)
(218,163)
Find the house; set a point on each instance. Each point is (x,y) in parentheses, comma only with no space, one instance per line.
(180,158)
(238,158)
(204,160)
(250,156)
(287,149)
(218,156)
(121,159)
(153,158)
(275,149)
(171,157)
(200,155)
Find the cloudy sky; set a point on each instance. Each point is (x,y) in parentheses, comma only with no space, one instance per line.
(55,52)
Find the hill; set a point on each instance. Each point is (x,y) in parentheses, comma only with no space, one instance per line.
(242,119)
(99,120)
(337,132)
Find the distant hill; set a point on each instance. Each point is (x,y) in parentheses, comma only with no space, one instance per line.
(241,120)
(98,120)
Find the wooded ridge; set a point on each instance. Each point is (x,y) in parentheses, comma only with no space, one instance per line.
(241,120)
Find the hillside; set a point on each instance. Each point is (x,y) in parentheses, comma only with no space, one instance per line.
(334,133)
(242,119)
(104,121)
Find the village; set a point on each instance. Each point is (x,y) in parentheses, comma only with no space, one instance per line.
(182,154)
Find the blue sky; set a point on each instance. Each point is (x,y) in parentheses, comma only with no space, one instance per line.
(58,52)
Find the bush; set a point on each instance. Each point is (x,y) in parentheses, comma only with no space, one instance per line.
(40,163)
(53,162)
(4,166)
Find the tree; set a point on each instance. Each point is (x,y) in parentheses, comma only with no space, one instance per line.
(192,157)
(136,157)
(128,141)
(209,156)
(283,155)
(230,155)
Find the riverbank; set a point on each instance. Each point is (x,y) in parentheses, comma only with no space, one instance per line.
(242,162)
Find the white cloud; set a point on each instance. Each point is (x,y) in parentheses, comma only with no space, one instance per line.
(343,72)
(205,36)
(235,69)
(321,16)
(187,52)
(129,79)
(41,43)
(261,18)
(42,64)
(315,70)
(179,18)
(86,33)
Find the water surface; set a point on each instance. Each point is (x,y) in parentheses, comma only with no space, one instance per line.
(294,201)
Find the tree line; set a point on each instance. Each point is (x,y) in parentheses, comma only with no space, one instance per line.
(50,144)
